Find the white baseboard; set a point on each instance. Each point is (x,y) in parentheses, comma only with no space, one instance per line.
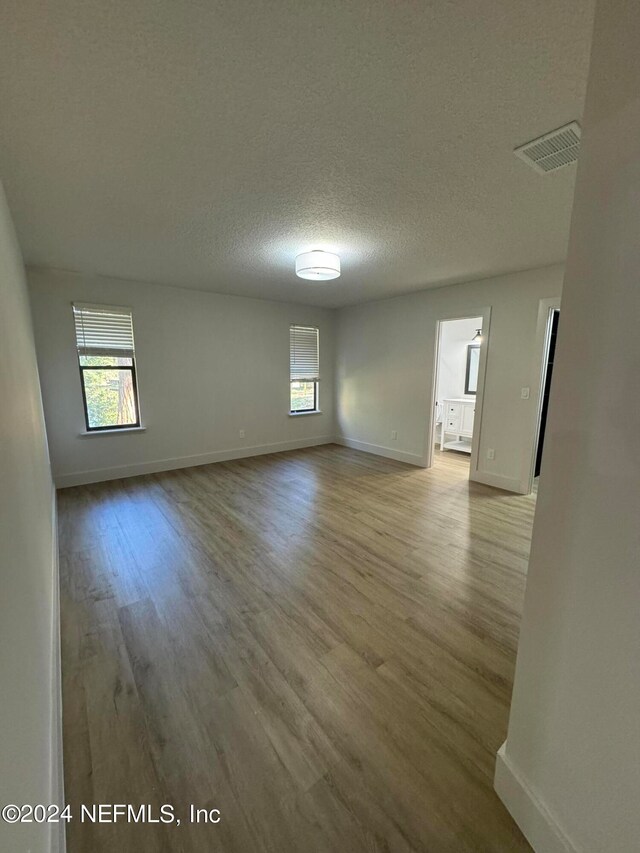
(98,475)
(379,450)
(509,484)
(57,838)
(527,809)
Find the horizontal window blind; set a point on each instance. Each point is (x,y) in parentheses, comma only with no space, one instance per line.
(304,354)
(103,330)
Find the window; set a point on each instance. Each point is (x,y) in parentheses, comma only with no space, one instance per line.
(304,370)
(104,338)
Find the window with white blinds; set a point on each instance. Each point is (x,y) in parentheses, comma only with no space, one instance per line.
(103,330)
(304,370)
(106,358)
(304,354)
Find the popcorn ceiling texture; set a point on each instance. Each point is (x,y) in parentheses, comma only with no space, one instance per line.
(204,144)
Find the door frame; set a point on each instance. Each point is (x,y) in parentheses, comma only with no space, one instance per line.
(485,313)
(546,309)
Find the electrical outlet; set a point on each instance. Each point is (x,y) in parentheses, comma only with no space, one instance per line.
(524,393)
(241,433)
(491,454)
(394,435)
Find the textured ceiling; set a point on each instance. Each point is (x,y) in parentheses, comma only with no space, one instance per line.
(205,143)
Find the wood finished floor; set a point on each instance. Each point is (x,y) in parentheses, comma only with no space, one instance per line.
(320,643)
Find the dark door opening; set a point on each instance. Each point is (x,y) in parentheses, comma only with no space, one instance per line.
(551,350)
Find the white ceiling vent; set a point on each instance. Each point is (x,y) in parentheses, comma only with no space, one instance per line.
(553,150)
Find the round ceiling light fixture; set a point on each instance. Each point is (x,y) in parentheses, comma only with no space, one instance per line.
(318,266)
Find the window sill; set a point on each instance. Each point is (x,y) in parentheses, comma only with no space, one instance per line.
(302,414)
(92,433)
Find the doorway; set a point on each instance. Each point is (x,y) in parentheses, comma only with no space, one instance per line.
(548,359)
(456,387)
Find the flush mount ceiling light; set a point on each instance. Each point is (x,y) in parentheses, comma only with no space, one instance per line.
(318,266)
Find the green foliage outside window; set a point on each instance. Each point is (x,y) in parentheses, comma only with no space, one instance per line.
(303,396)
(109,393)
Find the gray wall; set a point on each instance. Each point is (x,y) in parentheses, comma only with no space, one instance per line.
(570,771)
(385,367)
(28,663)
(208,366)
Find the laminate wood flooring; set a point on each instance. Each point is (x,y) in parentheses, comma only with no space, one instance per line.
(320,644)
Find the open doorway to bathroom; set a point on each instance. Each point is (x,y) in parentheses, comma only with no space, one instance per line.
(457,376)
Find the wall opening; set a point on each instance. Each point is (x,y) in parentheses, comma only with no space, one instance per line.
(456,385)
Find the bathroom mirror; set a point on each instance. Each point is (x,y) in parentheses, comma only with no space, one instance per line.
(471,376)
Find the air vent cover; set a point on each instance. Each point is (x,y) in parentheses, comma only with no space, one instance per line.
(553,150)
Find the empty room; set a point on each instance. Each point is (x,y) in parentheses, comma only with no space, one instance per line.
(319,426)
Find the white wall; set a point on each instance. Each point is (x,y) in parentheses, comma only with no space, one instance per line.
(570,769)
(208,366)
(29,684)
(455,337)
(385,370)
